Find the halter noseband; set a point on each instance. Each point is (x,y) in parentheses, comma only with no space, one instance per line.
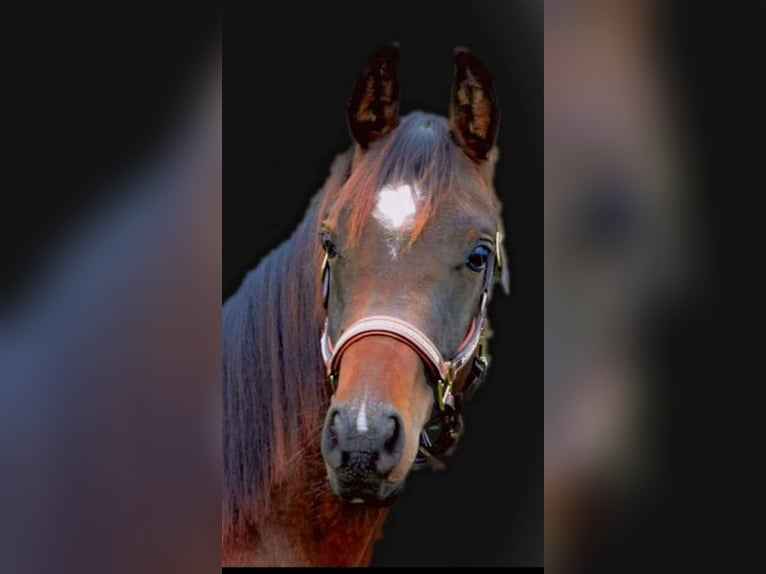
(470,353)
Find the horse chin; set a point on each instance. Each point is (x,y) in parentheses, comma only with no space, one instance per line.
(376,494)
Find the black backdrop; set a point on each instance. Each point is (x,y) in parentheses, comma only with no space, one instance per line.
(289,72)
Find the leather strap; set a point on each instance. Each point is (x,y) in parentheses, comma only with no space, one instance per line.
(406,333)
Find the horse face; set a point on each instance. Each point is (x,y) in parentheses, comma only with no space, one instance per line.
(421,256)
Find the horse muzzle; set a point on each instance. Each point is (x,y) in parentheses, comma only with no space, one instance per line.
(361,446)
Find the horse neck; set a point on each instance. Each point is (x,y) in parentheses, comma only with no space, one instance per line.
(301,522)
(306,525)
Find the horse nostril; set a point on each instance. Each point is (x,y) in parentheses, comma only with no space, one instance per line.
(331,437)
(391,443)
(338,424)
(333,422)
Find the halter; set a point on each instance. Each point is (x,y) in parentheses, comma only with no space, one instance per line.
(468,364)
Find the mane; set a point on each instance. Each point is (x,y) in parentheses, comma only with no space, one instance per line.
(419,151)
(274,391)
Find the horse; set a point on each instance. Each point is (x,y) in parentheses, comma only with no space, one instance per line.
(350,350)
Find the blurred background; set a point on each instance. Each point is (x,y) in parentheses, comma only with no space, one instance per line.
(646,429)
(110,309)
(619,245)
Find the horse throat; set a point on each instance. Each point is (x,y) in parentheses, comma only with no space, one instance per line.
(306,525)
(323,530)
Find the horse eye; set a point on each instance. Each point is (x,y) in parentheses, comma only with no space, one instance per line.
(477,260)
(329,246)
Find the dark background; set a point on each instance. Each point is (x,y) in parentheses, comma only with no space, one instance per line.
(708,511)
(89,93)
(290,70)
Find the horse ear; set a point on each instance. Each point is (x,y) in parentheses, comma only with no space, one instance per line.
(474,115)
(373,109)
